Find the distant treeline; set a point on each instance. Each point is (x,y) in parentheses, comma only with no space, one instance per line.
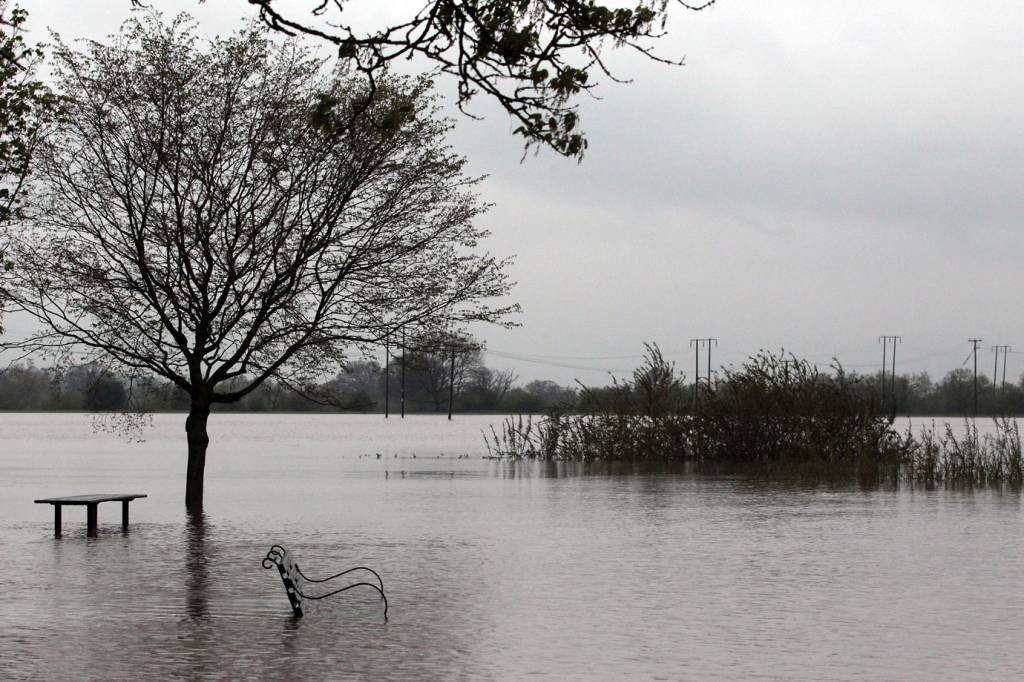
(362,387)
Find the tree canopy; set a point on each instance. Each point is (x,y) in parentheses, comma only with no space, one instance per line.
(26,106)
(533,57)
(203,218)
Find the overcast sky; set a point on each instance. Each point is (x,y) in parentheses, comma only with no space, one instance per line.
(818,174)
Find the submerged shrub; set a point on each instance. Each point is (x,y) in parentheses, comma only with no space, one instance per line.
(779,408)
(636,420)
(776,413)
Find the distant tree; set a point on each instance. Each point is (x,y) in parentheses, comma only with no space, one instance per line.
(430,376)
(203,220)
(955,392)
(26,387)
(551,393)
(538,396)
(485,388)
(27,105)
(533,57)
(99,388)
(106,393)
(358,386)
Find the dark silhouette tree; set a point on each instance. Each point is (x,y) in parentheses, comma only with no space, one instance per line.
(359,386)
(533,57)
(202,218)
(430,379)
(483,388)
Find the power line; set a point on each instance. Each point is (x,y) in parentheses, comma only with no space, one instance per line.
(546,363)
(558,360)
(583,357)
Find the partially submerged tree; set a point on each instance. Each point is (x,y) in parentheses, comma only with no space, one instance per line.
(204,220)
(533,57)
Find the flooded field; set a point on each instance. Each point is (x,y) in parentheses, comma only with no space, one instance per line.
(493,570)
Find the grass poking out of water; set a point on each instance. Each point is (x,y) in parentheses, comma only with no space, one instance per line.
(970,459)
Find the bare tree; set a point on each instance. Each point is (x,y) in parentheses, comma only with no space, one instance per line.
(486,388)
(204,219)
(359,386)
(531,56)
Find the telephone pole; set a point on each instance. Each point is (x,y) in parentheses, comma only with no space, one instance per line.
(387,374)
(451,383)
(995,371)
(884,340)
(403,372)
(974,352)
(696,345)
(715,342)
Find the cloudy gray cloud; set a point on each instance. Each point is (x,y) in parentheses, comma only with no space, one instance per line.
(816,175)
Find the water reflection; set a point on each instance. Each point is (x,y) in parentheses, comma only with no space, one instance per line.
(515,469)
(197,573)
(501,571)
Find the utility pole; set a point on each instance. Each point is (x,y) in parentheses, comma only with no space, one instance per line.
(975,343)
(892,380)
(995,371)
(403,372)
(696,345)
(884,340)
(715,342)
(451,384)
(387,375)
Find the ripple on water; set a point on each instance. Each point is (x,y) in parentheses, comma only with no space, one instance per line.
(497,571)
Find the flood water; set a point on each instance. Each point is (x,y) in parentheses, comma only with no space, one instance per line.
(492,570)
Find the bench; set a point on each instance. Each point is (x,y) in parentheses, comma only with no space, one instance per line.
(90,502)
(296,584)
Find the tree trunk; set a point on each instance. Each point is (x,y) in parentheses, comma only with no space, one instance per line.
(195,430)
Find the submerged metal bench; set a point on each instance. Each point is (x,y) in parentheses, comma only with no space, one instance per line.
(296,584)
(90,502)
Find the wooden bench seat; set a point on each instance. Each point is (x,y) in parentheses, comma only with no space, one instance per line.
(90,502)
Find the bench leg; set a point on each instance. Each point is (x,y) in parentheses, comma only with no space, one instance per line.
(124,514)
(56,520)
(90,520)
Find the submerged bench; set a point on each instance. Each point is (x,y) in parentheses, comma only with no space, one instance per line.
(90,502)
(296,584)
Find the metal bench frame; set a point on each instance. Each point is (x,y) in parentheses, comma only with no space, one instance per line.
(296,582)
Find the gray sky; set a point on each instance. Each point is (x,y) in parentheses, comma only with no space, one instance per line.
(818,173)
